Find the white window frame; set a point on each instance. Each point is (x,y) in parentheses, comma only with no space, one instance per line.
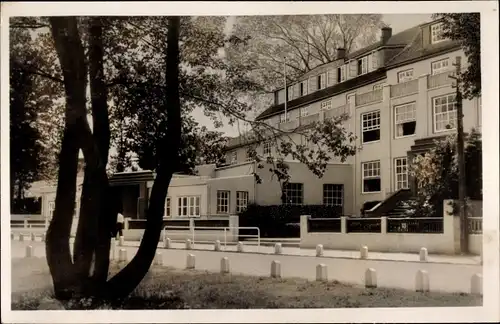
(401,169)
(321,81)
(436,33)
(364,65)
(241,200)
(333,194)
(267,149)
(283,119)
(405,76)
(188,206)
(304,111)
(370,170)
(305,87)
(437,67)
(168,207)
(294,188)
(404,113)
(371,117)
(451,115)
(326,104)
(223,201)
(341,71)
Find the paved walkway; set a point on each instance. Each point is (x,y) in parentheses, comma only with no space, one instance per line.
(446,277)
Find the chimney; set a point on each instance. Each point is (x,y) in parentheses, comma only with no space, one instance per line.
(386,34)
(340,53)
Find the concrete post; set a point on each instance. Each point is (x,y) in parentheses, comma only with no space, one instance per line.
(239,247)
(422,281)
(364,252)
(25,223)
(189,244)
(321,272)
(303,226)
(370,278)
(383,225)
(451,226)
(29,251)
(278,249)
(234,223)
(122,255)
(190,262)
(158,259)
(476,284)
(122,241)
(224,265)
(343,225)
(168,243)
(275,269)
(217,246)
(33,237)
(423,255)
(319,250)
(21,237)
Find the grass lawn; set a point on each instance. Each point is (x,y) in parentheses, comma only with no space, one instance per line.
(167,288)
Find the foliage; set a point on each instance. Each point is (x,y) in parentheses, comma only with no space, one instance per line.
(278,220)
(436,173)
(466,29)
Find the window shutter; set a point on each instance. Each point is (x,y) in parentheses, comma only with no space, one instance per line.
(331,77)
(353,69)
(296,90)
(290,93)
(374,56)
(323,81)
(312,84)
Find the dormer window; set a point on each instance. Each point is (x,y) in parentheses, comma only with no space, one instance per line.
(341,74)
(303,88)
(281,96)
(437,33)
(321,81)
(363,65)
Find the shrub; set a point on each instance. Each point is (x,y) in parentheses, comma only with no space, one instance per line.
(282,220)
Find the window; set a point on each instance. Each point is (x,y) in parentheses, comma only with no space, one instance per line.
(304,111)
(363,65)
(378,87)
(405,76)
(341,73)
(370,126)
(167,207)
(445,113)
(406,119)
(294,193)
(326,105)
(333,194)
(241,200)
(234,157)
(375,56)
(281,96)
(267,148)
(284,118)
(371,176)
(440,66)
(321,81)
(188,206)
(303,88)
(401,171)
(305,140)
(437,33)
(223,201)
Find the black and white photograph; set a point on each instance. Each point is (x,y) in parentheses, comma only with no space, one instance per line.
(282,158)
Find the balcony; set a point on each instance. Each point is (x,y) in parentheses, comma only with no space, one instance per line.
(404,89)
(439,80)
(369,97)
(306,120)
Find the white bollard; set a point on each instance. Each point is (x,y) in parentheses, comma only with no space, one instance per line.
(476,284)
(424,255)
(224,265)
(278,249)
(158,259)
(370,278)
(275,269)
(122,255)
(422,281)
(189,244)
(217,246)
(113,249)
(190,263)
(21,237)
(319,250)
(122,241)
(168,243)
(29,251)
(239,247)
(321,272)
(33,237)
(364,252)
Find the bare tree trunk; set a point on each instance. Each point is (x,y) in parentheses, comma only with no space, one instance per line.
(71,57)
(123,283)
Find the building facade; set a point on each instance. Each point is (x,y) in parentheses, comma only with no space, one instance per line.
(397,92)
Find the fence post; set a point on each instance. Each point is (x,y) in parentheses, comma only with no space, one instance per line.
(451,226)
(343,225)
(278,249)
(217,245)
(191,227)
(239,247)
(304,226)
(383,225)
(189,244)
(25,223)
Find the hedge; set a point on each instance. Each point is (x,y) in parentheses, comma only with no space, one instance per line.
(282,220)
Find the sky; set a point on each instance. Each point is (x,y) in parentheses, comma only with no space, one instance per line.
(398,22)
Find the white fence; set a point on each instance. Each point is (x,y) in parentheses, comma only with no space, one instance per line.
(205,234)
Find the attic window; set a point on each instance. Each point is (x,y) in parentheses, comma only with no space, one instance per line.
(363,65)
(340,73)
(437,33)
